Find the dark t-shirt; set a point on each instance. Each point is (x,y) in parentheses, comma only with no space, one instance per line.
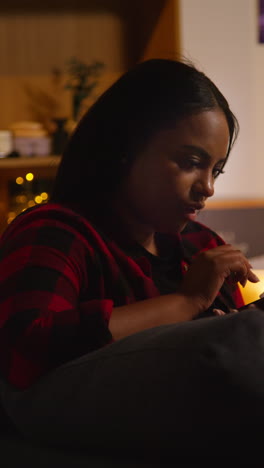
(166,270)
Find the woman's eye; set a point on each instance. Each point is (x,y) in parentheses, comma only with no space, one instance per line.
(190,163)
(217,172)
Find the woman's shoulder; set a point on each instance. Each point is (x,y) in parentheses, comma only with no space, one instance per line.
(50,218)
(200,237)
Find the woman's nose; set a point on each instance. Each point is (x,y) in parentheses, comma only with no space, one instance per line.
(205,185)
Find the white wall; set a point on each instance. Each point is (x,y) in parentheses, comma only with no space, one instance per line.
(220,37)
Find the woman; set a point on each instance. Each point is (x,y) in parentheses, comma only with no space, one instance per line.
(99,288)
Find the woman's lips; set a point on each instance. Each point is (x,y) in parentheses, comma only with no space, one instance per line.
(191,214)
(192,211)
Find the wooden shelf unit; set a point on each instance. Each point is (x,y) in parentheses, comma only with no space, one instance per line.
(119,33)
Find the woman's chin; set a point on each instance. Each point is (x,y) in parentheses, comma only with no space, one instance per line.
(173,228)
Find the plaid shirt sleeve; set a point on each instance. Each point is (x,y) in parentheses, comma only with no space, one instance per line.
(43,321)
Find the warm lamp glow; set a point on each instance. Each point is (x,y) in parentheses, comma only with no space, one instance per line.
(252,291)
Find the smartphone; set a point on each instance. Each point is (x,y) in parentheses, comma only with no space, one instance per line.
(258,304)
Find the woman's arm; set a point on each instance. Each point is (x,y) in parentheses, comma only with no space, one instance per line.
(161,310)
(199,288)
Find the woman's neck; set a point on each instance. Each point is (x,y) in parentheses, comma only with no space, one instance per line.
(134,230)
(148,241)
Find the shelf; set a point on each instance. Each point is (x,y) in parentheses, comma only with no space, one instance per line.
(45,167)
(28,162)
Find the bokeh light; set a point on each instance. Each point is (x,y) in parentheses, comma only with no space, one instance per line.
(19,180)
(29,176)
(38,199)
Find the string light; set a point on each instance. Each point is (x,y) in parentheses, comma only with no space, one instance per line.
(19,180)
(44,195)
(38,199)
(29,176)
(21,199)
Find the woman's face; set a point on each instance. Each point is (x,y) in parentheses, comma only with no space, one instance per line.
(175,173)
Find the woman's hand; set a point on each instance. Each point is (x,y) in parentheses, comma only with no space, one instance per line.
(209,270)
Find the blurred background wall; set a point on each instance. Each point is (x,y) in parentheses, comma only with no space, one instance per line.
(221,37)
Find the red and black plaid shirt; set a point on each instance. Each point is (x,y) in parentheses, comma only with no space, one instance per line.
(60,279)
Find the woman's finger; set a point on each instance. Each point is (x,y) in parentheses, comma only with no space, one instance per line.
(253,277)
(218,312)
(243,276)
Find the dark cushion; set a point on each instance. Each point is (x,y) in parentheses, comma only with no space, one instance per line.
(15,452)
